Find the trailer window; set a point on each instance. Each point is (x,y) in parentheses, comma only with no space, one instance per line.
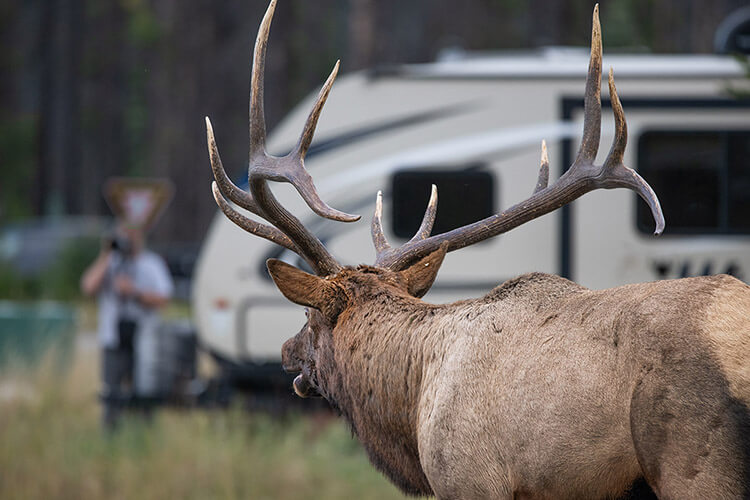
(702,179)
(464,196)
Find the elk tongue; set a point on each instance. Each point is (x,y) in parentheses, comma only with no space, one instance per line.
(303,388)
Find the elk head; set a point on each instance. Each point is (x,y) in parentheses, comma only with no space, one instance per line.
(408,270)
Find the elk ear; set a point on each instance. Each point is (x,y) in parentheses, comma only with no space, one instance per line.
(305,289)
(421,275)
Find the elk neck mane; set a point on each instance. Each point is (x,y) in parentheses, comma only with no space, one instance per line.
(385,342)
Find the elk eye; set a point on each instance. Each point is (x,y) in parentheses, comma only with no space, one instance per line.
(307,313)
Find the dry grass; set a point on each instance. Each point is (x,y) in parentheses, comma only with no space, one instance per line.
(51,446)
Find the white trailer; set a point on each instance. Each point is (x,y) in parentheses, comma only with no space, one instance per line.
(473,125)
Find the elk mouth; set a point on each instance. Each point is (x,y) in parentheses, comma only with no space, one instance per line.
(303,388)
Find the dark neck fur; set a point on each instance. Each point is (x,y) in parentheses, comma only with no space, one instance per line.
(372,375)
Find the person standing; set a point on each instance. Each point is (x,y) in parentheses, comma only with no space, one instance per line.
(132,285)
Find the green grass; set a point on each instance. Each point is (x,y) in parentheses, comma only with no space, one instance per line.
(51,446)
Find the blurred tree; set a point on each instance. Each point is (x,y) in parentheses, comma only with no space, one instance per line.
(18,114)
(57,179)
(90,88)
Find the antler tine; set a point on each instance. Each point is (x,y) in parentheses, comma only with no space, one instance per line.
(425,228)
(617,152)
(379,240)
(543,178)
(616,174)
(312,120)
(582,177)
(303,182)
(592,108)
(383,250)
(257,112)
(225,184)
(263,230)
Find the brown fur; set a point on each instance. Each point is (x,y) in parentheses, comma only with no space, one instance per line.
(542,388)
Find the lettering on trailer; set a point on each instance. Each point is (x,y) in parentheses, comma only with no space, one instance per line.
(664,269)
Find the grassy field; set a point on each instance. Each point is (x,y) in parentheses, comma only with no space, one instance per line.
(52,447)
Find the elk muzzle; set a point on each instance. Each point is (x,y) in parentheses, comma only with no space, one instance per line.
(290,359)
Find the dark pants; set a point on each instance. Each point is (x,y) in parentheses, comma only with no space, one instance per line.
(117,375)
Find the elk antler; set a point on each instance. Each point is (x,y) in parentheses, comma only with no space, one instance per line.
(582,177)
(285,229)
(382,247)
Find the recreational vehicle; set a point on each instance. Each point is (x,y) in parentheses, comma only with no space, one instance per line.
(473,125)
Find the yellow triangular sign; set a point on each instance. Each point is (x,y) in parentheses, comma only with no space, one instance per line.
(138,201)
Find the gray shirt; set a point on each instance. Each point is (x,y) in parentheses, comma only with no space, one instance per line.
(149,274)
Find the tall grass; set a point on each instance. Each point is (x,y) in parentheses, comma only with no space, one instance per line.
(52,446)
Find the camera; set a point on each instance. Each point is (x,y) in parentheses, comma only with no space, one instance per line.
(120,244)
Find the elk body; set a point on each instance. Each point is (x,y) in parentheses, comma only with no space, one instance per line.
(540,389)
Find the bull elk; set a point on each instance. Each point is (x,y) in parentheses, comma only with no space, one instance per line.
(540,389)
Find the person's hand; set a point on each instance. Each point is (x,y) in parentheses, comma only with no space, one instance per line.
(105,246)
(124,286)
